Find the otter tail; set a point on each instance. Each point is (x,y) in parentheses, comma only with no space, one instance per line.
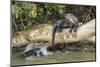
(53,35)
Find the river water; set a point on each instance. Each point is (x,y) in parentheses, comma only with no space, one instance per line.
(86,53)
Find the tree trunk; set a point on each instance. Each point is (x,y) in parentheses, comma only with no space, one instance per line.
(44,33)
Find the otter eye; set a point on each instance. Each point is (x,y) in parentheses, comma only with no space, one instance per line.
(71,15)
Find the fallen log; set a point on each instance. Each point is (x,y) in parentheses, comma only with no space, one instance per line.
(44,32)
(92,39)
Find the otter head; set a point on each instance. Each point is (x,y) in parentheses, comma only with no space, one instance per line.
(69,17)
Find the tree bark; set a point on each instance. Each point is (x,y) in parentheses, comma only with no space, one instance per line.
(44,33)
(92,39)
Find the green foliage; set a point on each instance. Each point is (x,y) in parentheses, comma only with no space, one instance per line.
(27,14)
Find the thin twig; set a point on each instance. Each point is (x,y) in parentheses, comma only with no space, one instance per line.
(88,14)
